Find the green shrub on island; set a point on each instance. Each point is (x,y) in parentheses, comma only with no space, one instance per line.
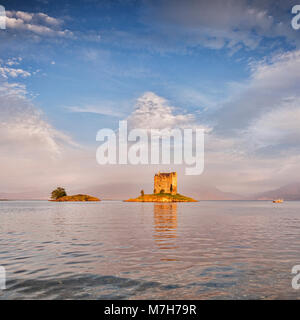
(59,192)
(60,195)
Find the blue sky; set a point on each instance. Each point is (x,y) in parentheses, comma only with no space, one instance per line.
(83,65)
(103,71)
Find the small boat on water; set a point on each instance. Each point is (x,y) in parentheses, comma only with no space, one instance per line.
(278,201)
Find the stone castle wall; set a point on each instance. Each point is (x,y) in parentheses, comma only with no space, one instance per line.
(166,182)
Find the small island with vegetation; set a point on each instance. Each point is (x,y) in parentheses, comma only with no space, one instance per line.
(60,195)
(165,190)
(161,197)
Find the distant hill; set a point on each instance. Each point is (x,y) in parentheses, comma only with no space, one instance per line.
(123,191)
(288,192)
(213,193)
(116,191)
(31,195)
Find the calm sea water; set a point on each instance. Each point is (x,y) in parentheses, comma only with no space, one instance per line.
(116,250)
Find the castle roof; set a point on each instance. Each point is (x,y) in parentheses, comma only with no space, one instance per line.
(165,173)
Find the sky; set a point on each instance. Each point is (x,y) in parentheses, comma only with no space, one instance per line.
(71,68)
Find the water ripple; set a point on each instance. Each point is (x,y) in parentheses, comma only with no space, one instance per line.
(116,250)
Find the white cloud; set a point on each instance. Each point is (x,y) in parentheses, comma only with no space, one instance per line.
(11,89)
(34,18)
(219,23)
(6,72)
(104,108)
(271,84)
(155,112)
(8,69)
(151,111)
(255,144)
(48,20)
(38,23)
(278,127)
(25,16)
(35,155)
(14,61)
(23,128)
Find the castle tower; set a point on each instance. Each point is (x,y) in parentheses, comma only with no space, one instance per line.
(166,182)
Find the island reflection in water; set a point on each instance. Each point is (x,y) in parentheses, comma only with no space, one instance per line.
(165,226)
(117,250)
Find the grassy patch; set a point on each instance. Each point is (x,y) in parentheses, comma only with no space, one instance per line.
(162,197)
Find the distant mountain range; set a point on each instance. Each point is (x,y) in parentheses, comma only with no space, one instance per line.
(24,196)
(288,192)
(125,191)
(212,193)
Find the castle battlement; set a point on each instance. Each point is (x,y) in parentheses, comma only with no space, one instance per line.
(166,182)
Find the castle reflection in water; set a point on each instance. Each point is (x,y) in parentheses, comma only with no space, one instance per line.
(165,225)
